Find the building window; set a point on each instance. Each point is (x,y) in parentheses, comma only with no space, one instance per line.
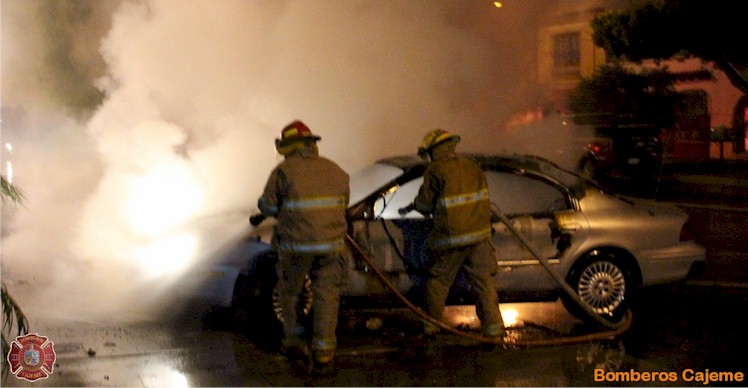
(566,50)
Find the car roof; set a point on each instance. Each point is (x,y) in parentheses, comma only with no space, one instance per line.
(531,164)
(516,161)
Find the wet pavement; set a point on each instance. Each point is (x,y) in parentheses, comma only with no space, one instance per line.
(148,354)
(376,348)
(675,329)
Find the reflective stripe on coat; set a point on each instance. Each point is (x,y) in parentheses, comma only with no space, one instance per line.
(308,194)
(455,192)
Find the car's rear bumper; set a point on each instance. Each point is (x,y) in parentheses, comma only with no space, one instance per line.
(671,264)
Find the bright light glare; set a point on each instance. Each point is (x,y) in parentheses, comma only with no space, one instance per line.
(8,164)
(510,317)
(169,255)
(164,376)
(498,4)
(178,380)
(9,171)
(163,198)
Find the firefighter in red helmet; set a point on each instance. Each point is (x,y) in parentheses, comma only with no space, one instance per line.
(455,193)
(308,194)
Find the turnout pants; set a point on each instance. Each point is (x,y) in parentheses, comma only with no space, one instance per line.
(480,266)
(327,275)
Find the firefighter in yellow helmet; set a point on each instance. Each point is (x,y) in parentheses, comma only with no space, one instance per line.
(455,193)
(308,194)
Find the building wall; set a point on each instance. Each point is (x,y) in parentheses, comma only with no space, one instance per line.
(722,96)
(560,82)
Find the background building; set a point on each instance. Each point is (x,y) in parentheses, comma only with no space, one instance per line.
(711,121)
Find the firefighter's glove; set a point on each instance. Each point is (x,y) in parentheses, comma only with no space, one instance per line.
(405,210)
(256,219)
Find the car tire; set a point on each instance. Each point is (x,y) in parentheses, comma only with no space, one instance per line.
(604,282)
(241,301)
(251,305)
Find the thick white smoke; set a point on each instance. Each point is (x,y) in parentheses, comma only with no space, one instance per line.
(195,93)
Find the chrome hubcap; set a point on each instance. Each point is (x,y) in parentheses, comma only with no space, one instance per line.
(602,286)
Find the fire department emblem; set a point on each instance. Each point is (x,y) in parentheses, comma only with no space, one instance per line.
(31,357)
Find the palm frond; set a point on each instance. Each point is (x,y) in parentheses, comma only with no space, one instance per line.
(14,321)
(14,324)
(10,191)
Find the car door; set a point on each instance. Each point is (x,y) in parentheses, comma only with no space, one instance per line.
(395,244)
(529,202)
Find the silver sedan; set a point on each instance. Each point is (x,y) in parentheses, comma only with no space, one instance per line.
(603,246)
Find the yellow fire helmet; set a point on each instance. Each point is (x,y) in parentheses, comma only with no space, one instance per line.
(433,139)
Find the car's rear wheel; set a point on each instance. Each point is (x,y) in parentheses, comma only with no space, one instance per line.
(602,281)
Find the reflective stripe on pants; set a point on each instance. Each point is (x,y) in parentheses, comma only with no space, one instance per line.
(327,275)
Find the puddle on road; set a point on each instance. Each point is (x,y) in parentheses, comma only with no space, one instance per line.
(522,319)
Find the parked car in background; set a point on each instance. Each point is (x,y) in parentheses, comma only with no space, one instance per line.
(604,246)
(631,152)
(598,156)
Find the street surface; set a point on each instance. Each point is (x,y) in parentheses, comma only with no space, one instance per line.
(675,329)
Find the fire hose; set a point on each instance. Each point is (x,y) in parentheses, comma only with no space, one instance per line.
(614,329)
(609,334)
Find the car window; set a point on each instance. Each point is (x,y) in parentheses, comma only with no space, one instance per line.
(519,194)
